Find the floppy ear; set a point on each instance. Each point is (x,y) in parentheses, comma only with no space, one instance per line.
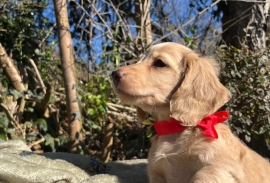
(200,93)
(141,114)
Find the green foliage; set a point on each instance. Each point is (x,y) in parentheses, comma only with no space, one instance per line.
(149,130)
(95,98)
(15,94)
(4,121)
(247,76)
(18,33)
(22,31)
(191,40)
(41,124)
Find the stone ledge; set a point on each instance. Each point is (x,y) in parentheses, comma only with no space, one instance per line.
(128,171)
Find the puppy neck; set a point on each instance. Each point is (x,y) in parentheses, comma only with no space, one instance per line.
(207,124)
(162,115)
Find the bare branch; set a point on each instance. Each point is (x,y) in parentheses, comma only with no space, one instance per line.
(121,107)
(14,123)
(36,142)
(188,22)
(47,35)
(11,71)
(38,75)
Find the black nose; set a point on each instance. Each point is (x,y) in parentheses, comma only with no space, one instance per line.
(117,75)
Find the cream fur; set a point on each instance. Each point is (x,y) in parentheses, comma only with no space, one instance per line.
(187,89)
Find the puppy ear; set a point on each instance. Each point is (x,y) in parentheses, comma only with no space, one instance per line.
(200,93)
(141,114)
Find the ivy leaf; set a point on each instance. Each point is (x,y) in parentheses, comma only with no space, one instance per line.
(30,109)
(147,122)
(11,132)
(4,121)
(247,138)
(49,141)
(149,133)
(2,136)
(11,23)
(95,126)
(15,94)
(63,139)
(187,39)
(91,112)
(42,124)
(31,136)
(262,130)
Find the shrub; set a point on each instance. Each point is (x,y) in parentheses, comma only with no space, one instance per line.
(246,74)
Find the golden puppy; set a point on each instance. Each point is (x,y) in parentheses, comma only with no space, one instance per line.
(182,92)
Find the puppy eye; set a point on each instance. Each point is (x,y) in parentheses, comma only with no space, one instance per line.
(159,63)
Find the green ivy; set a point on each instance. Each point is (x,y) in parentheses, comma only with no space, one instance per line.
(247,76)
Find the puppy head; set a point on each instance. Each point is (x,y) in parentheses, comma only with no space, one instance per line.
(200,93)
(171,80)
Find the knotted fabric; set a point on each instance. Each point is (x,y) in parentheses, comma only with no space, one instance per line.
(207,124)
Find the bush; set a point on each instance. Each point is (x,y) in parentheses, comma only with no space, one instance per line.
(246,75)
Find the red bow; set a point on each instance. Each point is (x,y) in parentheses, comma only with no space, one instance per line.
(171,126)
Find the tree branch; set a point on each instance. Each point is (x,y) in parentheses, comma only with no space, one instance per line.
(10,70)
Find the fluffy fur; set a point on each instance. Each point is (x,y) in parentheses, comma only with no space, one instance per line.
(187,88)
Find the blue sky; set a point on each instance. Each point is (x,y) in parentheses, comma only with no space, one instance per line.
(178,13)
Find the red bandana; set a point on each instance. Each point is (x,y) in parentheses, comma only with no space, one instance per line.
(207,124)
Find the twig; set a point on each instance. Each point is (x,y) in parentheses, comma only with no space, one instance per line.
(60,94)
(38,75)
(109,33)
(129,118)
(46,100)
(122,21)
(11,70)
(238,20)
(113,108)
(14,123)
(249,1)
(121,107)
(47,35)
(21,108)
(36,142)
(188,22)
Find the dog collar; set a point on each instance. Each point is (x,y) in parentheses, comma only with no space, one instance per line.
(172,126)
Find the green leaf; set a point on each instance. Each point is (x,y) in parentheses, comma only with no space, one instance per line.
(42,124)
(95,126)
(10,22)
(116,134)
(15,94)
(30,109)
(4,121)
(187,39)
(193,30)
(247,138)
(30,93)
(2,136)
(91,112)
(149,133)
(31,136)
(11,132)
(147,122)
(63,139)
(262,130)
(49,140)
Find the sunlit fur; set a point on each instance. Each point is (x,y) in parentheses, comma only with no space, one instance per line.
(187,89)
